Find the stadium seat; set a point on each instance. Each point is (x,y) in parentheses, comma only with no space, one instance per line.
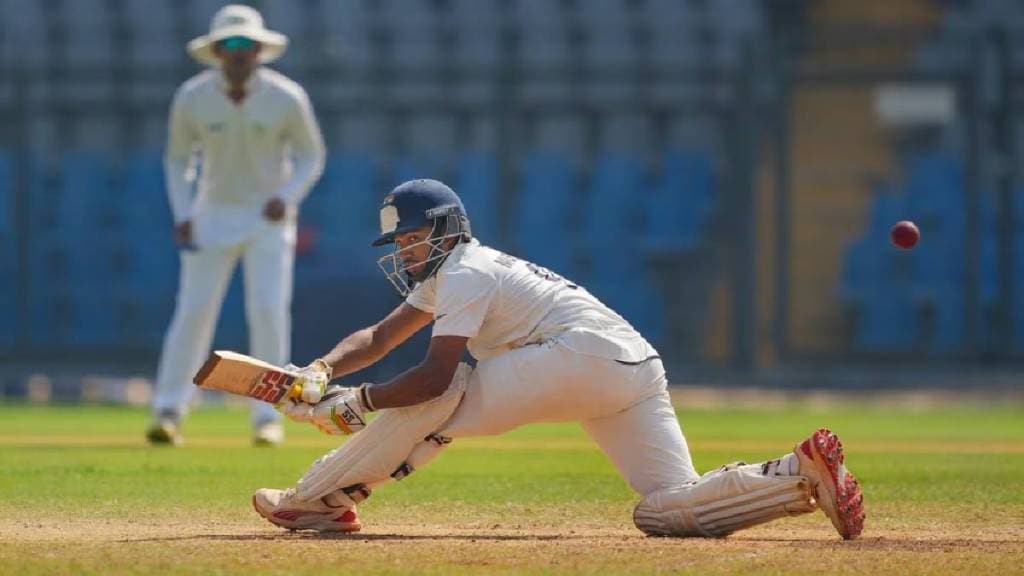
(875,283)
(156,49)
(344,210)
(613,217)
(8,256)
(478,27)
(477,181)
(85,192)
(679,204)
(291,18)
(935,186)
(350,29)
(887,322)
(543,229)
(23,34)
(634,298)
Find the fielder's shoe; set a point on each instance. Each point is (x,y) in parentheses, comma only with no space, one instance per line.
(268,434)
(836,490)
(165,431)
(282,509)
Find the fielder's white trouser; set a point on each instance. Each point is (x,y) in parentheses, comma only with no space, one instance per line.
(205,274)
(625,408)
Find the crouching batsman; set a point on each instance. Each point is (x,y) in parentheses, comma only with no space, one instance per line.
(546,350)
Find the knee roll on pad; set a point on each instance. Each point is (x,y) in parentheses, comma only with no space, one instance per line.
(422,453)
(721,502)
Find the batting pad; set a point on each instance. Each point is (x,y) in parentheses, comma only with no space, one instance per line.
(721,502)
(374,454)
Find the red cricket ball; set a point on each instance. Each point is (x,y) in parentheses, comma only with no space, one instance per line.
(905,234)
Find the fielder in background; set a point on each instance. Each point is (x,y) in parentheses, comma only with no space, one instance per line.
(546,350)
(260,149)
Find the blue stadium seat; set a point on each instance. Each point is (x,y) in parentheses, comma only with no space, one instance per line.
(613,220)
(613,216)
(543,230)
(85,193)
(477,183)
(350,27)
(142,196)
(887,322)
(6,196)
(876,283)
(293,20)
(478,37)
(95,315)
(634,298)
(889,206)
(24,35)
(8,256)
(344,210)
(680,203)
(155,44)
(935,186)
(88,28)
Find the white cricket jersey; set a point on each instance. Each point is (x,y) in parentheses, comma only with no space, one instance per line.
(268,146)
(501,302)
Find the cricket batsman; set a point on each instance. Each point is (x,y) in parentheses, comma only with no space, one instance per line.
(546,350)
(253,132)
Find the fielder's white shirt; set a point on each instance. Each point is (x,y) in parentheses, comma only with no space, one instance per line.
(268,146)
(501,302)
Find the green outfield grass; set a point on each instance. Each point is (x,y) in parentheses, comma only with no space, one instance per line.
(82,493)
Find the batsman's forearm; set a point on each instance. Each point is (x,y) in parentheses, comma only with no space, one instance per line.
(414,386)
(355,352)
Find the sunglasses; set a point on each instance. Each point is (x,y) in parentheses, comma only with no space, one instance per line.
(237,43)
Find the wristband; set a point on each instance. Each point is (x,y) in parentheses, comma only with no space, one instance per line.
(364,397)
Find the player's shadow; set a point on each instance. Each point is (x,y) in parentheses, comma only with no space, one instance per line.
(878,543)
(354,537)
(881,543)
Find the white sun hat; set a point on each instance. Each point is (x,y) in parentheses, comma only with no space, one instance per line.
(238,20)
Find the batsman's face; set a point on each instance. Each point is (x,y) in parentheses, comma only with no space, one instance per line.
(413,250)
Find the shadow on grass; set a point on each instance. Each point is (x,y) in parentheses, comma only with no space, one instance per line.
(879,543)
(305,536)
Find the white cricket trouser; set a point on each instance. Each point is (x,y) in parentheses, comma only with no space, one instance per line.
(267,262)
(624,408)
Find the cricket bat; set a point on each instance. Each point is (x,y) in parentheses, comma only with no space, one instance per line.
(247,376)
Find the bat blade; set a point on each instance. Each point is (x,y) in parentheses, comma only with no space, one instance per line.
(247,376)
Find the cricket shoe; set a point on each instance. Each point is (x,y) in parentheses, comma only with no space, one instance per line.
(165,431)
(268,434)
(281,508)
(836,490)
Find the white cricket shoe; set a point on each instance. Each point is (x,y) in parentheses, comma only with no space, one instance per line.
(268,434)
(165,431)
(282,509)
(835,488)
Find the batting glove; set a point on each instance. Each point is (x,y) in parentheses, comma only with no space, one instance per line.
(341,411)
(312,383)
(314,380)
